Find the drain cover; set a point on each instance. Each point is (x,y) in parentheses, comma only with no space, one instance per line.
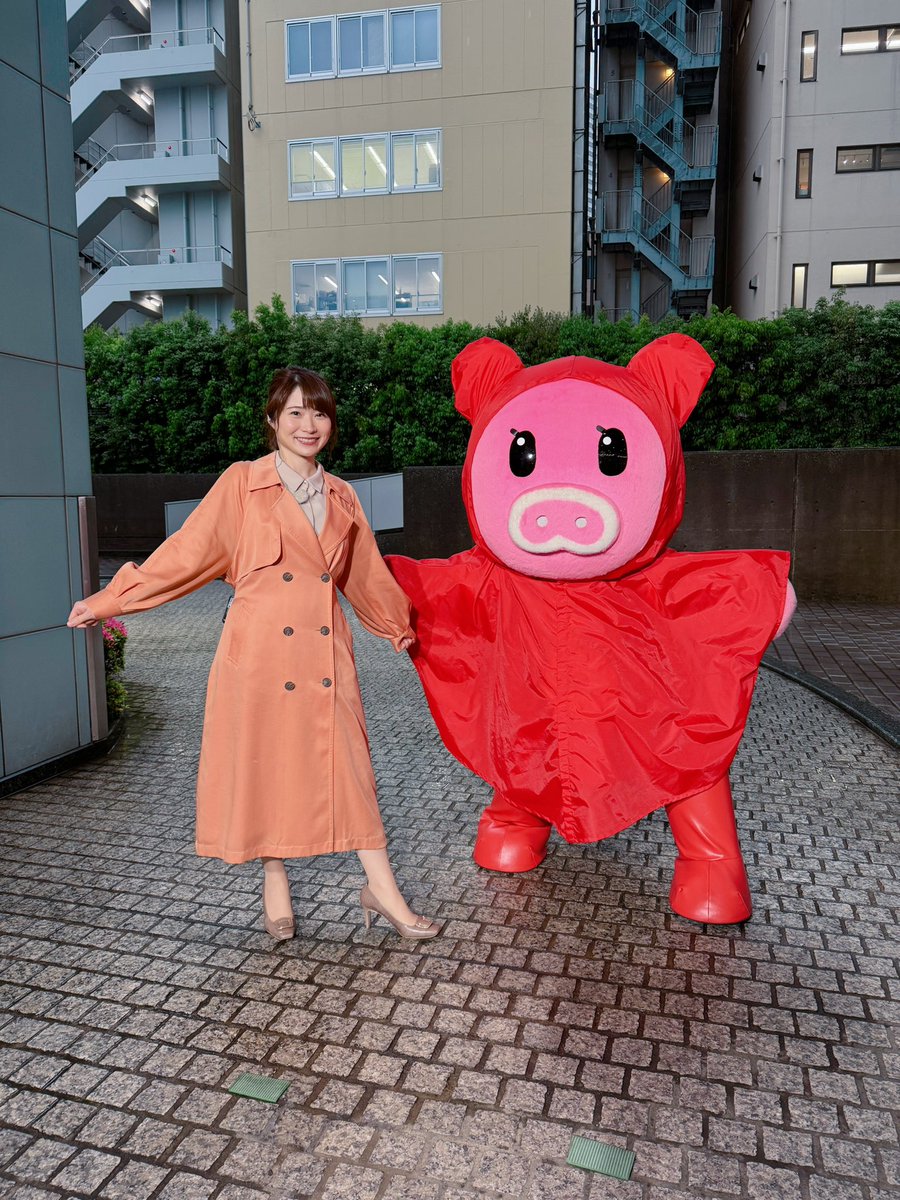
(257,1087)
(600,1157)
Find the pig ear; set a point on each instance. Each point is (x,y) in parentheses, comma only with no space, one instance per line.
(478,371)
(678,368)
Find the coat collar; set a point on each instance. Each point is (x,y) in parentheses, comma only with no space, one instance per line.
(264,474)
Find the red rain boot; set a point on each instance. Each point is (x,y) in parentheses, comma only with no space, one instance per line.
(709,884)
(510,839)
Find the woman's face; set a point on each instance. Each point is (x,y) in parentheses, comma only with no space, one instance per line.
(301,432)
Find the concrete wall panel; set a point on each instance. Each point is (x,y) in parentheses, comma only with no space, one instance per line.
(30,451)
(37,698)
(34,585)
(22,140)
(26,322)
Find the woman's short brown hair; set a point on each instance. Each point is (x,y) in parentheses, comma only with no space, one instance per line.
(315,392)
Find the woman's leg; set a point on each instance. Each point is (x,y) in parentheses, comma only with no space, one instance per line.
(276,889)
(383,885)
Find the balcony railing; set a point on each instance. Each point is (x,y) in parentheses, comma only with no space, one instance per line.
(133,151)
(628,212)
(129,42)
(701,35)
(156,257)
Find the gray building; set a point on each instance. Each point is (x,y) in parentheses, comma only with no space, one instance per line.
(815,179)
(156,117)
(52,697)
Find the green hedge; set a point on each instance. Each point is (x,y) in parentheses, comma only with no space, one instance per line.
(178,396)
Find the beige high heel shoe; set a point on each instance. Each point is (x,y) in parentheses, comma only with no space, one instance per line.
(281,930)
(423,928)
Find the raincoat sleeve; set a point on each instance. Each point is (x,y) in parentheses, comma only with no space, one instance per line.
(380,604)
(455,612)
(197,553)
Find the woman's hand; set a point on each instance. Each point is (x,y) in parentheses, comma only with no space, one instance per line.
(404,644)
(81,616)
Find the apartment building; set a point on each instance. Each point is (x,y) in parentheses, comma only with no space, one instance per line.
(411,163)
(815,192)
(656,203)
(156,115)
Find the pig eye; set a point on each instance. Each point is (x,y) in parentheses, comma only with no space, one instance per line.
(522,452)
(612,451)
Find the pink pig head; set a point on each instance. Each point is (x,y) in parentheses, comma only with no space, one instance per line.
(574,468)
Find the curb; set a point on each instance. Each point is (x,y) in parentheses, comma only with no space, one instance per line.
(57,766)
(887,727)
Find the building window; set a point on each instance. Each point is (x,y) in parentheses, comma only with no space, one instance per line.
(867,158)
(415,38)
(315,286)
(417,283)
(367,288)
(398,286)
(311,169)
(416,159)
(809,55)
(394,39)
(371,164)
(887,273)
(364,165)
(803,188)
(873,40)
(798,285)
(361,43)
(310,48)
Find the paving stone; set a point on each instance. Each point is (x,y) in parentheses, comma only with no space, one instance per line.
(135,1181)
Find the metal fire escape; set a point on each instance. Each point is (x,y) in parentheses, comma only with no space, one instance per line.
(659,123)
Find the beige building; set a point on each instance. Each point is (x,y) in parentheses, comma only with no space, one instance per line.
(412,162)
(815,194)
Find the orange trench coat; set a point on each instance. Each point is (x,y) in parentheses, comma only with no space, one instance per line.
(284,763)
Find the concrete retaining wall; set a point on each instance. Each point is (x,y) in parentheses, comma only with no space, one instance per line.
(837,511)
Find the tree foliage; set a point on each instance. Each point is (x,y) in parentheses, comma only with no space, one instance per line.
(178,396)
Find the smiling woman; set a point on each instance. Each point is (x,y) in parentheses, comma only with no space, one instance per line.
(284,767)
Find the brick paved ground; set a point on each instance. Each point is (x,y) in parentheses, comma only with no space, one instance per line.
(136,982)
(855,646)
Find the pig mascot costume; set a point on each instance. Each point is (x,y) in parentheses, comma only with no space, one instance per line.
(587,673)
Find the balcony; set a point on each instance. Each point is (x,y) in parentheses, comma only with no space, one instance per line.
(141,279)
(123,71)
(133,176)
(83,16)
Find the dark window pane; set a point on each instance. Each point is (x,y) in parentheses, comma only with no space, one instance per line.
(889,158)
(298,48)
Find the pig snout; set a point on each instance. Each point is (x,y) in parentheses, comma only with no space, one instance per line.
(576,519)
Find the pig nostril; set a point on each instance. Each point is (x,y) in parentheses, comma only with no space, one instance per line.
(581,522)
(541,521)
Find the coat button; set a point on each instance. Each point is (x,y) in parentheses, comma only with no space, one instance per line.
(325,577)
(326,683)
(287,577)
(289,687)
(287,631)
(324,631)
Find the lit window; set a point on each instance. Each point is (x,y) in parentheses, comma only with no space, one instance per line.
(870,41)
(363,165)
(367,287)
(415,37)
(798,285)
(312,169)
(855,158)
(887,272)
(803,188)
(809,53)
(417,283)
(361,43)
(310,48)
(859,41)
(416,160)
(316,288)
(854,274)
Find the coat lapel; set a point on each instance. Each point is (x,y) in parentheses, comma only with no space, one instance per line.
(338,522)
(295,526)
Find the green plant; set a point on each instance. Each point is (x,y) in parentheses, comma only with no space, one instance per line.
(115,635)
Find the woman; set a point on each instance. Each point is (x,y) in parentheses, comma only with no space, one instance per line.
(284,767)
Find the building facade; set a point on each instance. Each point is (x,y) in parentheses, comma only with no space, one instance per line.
(52,693)
(156,115)
(815,179)
(409,163)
